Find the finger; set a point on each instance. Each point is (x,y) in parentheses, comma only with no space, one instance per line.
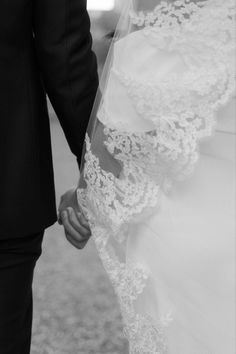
(75,222)
(59,220)
(61,208)
(83,220)
(69,228)
(77,244)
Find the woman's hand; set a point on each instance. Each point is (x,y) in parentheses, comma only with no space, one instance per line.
(76,227)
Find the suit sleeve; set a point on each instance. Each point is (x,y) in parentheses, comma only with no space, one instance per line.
(68,65)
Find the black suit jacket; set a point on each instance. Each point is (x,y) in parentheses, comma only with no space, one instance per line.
(45,47)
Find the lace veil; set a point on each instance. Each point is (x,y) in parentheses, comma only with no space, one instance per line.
(168,77)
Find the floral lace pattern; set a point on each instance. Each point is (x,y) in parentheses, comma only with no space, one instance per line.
(176,14)
(182,106)
(146,338)
(183,112)
(129,281)
(120,198)
(203,32)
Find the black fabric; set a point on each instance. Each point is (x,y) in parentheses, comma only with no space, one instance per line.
(18,257)
(45,46)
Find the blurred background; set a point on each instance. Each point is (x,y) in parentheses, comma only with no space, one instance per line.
(76,311)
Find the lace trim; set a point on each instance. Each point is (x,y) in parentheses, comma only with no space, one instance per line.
(181,106)
(145,337)
(181,120)
(119,198)
(197,30)
(150,161)
(155,153)
(168,15)
(129,281)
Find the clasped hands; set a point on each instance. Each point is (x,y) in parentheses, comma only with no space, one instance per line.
(76,226)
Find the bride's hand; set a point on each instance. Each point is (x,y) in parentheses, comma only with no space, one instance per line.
(76,227)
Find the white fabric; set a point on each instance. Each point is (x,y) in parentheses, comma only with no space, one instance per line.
(160,178)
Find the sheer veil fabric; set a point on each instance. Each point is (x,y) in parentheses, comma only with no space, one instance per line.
(158,175)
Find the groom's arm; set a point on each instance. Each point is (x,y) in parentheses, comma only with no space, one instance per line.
(69,68)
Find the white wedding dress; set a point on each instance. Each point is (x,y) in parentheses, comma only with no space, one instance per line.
(158,183)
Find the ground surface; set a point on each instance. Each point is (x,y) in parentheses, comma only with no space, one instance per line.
(76,311)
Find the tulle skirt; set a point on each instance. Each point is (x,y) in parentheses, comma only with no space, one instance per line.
(188,245)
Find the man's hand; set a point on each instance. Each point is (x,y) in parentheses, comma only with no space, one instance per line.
(76,227)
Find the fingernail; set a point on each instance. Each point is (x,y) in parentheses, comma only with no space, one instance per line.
(64,214)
